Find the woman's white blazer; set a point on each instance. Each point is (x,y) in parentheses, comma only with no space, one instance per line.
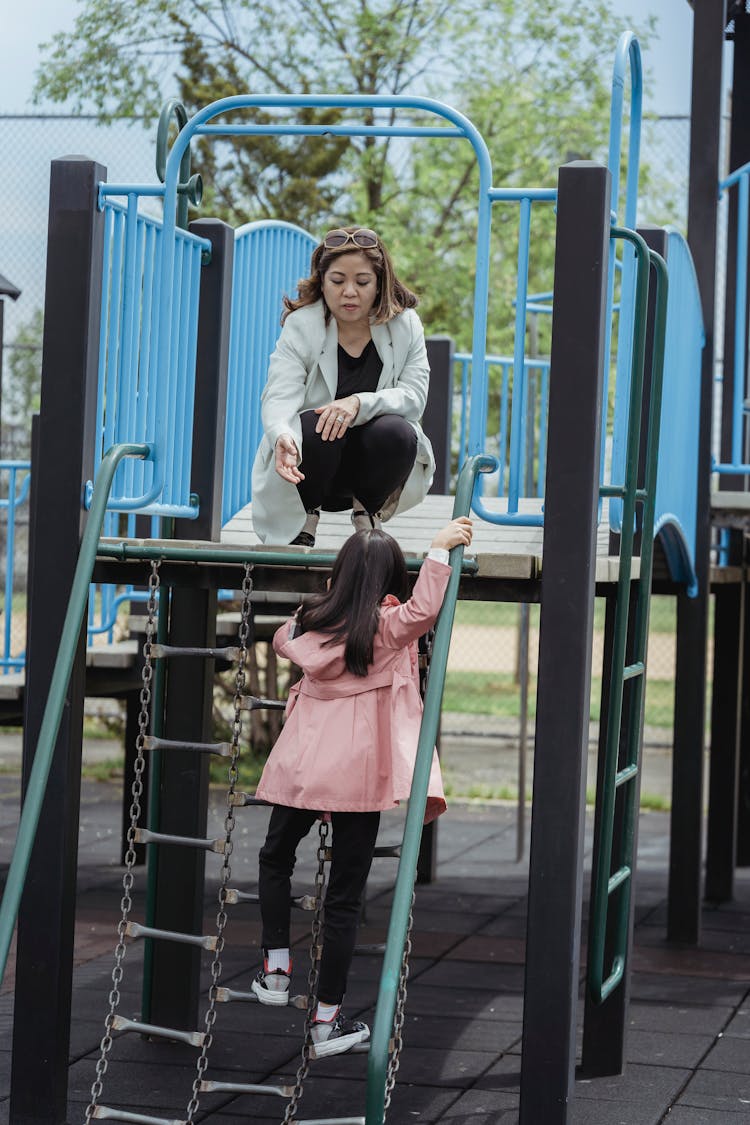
(303,374)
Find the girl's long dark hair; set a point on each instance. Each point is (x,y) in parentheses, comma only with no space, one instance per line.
(369,566)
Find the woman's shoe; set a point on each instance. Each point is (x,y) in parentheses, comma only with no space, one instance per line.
(365,521)
(306,537)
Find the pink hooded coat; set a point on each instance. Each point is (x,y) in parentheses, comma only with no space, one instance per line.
(349,742)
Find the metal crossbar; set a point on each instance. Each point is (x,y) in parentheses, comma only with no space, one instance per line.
(607,883)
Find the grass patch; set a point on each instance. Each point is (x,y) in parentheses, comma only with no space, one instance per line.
(663,617)
(497,693)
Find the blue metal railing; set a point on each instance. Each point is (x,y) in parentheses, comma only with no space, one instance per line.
(145,392)
(17,495)
(526,447)
(738,454)
(269,260)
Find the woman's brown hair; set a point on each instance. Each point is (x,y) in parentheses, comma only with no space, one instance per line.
(392,295)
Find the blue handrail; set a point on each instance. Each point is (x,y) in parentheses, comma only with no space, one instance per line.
(11,503)
(737,463)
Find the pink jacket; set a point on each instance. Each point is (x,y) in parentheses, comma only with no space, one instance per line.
(349,742)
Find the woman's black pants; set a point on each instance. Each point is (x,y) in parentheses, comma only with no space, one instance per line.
(354,835)
(369,462)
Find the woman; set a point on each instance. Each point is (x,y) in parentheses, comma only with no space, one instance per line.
(347,386)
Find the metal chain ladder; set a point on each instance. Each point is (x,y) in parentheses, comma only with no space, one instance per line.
(229,822)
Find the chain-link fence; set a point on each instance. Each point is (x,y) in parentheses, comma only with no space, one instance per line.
(482,703)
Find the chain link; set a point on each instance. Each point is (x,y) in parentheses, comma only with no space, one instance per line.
(126,902)
(312,976)
(398,1020)
(229,823)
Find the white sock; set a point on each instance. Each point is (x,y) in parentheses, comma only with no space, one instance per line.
(279,959)
(326,1012)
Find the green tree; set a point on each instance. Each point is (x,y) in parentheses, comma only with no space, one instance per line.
(21,386)
(534,80)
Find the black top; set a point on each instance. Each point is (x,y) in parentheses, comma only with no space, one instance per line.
(358,373)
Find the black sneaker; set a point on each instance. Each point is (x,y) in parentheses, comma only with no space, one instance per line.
(272,987)
(336,1036)
(306,537)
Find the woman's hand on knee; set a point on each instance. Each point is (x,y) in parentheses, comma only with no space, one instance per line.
(336,418)
(287,456)
(456,534)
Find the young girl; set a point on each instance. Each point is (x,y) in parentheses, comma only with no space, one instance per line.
(347,748)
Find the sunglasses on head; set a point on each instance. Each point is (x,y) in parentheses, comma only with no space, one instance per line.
(364,238)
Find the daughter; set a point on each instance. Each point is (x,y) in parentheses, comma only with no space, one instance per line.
(347,748)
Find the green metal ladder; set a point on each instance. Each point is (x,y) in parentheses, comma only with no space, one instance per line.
(394,964)
(611,885)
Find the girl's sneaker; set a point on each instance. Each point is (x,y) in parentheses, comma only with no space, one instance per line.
(271,987)
(336,1036)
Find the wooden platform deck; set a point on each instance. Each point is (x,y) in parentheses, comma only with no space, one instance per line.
(501,551)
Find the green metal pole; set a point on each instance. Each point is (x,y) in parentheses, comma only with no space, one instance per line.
(58,689)
(386,1003)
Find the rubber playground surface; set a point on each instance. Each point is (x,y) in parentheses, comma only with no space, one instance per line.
(688,1044)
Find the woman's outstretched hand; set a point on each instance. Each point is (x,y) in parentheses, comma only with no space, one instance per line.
(457,533)
(287,457)
(336,417)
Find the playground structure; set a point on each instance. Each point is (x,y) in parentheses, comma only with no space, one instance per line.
(577,411)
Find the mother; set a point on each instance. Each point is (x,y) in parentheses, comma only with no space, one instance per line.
(347,386)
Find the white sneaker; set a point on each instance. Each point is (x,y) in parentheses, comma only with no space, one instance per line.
(272,987)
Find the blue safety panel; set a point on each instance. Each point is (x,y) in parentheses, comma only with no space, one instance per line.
(269,260)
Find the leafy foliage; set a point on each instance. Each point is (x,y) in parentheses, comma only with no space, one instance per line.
(533,80)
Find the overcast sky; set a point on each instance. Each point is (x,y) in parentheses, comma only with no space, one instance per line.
(667,60)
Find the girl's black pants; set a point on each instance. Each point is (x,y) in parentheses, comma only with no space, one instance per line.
(354,835)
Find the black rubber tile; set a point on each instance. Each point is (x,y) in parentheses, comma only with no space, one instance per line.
(483,1107)
(689,1115)
(652,1086)
(729,1053)
(671,989)
(427,999)
(666,1048)
(693,1019)
(469,975)
(450,1031)
(739,1025)
(718,1090)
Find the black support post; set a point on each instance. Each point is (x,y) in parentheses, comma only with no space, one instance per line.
(63,445)
(684,896)
(729,641)
(438,415)
(183,783)
(566,630)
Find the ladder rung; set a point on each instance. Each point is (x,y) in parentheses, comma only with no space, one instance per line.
(227,995)
(385,851)
(103,1113)
(626,774)
(630,671)
(618,879)
(223,749)
(303,902)
(255,703)
(245,800)
(145,836)
(330,1120)
(192,1038)
(226,653)
(207,941)
(373,947)
(209,1087)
